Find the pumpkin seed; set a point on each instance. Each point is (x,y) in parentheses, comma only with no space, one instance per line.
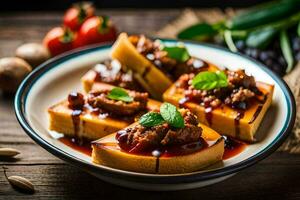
(8,152)
(20,183)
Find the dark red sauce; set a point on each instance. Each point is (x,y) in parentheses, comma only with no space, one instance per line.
(208,114)
(239,116)
(78,145)
(76,121)
(233,147)
(258,110)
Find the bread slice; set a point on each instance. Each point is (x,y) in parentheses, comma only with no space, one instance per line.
(151,78)
(223,119)
(88,125)
(88,80)
(107,152)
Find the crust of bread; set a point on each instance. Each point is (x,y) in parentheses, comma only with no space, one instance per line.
(107,152)
(149,76)
(223,119)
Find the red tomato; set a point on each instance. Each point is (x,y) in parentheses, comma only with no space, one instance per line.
(96,30)
(77,14)
(59,40)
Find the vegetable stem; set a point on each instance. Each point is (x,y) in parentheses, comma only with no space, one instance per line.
(298,29)
(286,50)
(229,41)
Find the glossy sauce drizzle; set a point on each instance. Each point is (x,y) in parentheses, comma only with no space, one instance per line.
(233,147)
(239,116)
(78,145)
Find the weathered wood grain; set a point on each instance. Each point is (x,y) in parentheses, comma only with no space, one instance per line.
(277,177)
(267,180)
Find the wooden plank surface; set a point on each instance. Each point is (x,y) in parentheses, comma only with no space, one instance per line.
(277,177)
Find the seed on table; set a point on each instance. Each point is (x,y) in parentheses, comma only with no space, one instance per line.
(20,183)
(8,152)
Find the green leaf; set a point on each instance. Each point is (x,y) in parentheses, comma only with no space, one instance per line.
(170,113)
(210,80)
(286,50)
(151,119)
(179,52)
(261,38)
(119,94)
(201,31)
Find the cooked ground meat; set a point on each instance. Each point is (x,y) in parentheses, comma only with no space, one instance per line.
(112,72)
(241,89)
(99,100)
(240,78)
(172,68)
(139,139)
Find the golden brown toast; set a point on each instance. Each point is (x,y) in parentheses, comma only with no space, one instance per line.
(107,152)
(150,77)
(224,119)
(88,126)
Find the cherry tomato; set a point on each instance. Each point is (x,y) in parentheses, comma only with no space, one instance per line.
(77,14)
(59,40)
(96,30)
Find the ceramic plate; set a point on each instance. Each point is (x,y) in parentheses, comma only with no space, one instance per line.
(52,81)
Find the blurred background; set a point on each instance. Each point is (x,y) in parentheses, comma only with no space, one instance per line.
(30,5)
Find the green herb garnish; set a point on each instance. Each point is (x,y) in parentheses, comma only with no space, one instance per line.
(170,113)
(179,53)
(210,80)
(151,119)
(119,94)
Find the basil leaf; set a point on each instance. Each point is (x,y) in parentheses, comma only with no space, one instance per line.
(286,50)
(151,119)
(201,31)
(170,113)
(179,53)
(119,94)
(210,80)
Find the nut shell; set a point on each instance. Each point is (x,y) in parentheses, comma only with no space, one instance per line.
(12,71)
(34,53)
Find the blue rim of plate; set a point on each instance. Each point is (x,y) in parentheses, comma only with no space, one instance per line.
(28,82)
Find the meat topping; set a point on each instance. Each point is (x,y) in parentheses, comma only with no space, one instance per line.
(171,67)
(99,100)
(137,139)
(112,72)
(240,90)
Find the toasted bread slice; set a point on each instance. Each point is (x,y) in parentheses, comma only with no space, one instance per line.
(223,119)
(88,125)
(150,77)
(107,152)
(88,80)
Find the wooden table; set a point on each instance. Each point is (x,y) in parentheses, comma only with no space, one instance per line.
(277,177)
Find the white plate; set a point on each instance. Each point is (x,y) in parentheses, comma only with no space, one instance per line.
(52,81)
